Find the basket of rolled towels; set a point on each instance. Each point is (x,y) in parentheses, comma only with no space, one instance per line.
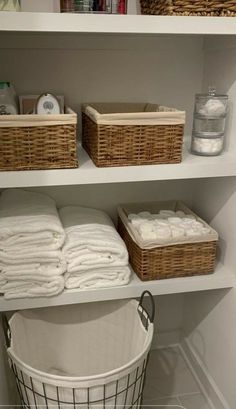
(42,252)
(167,240)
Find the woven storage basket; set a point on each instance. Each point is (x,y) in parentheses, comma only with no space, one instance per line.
(223,8)
(30,142)
(132,134)
(189,258)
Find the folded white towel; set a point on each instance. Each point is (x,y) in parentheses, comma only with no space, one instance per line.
(99,278)
(91,240)
(12,257)
(31,272)
(21,289)
(28,220)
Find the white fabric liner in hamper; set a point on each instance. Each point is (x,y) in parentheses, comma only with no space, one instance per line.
(133,114)
(84,346)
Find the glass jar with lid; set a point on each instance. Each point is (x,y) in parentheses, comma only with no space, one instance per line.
(209,123)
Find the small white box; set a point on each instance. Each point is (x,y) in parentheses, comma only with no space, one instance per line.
(47,6)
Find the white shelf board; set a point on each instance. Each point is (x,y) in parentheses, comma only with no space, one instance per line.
(222,278)
(129,24)
(192,167)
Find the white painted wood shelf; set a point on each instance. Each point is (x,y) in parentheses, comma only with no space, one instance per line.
(222,278)
(192,167)
(116,24)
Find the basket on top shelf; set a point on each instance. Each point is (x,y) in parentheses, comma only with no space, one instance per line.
(176,258)
(132,134)
(223,8)
(37,142)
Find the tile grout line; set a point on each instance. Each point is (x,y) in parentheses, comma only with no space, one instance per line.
(200,392)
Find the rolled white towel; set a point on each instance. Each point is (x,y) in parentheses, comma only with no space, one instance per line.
(175,220)
(177,232)
(148,235)
(29,220)
(167,213)
(145,215)
(21,289)
(180,214)
(99,278)
(163,234)
(146,227)
(193,233)
(162,223)
(135,220)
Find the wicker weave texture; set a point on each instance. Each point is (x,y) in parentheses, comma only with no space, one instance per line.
(38,147)
(127,145)
(223,8)
(180,260)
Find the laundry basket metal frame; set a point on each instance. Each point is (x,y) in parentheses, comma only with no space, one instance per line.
(23,388)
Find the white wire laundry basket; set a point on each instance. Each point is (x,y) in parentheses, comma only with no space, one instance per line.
(83,356)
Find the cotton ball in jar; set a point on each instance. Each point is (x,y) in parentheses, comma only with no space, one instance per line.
(213,107)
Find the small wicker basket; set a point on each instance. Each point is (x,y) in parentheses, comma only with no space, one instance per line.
(188,258)
(132,134)
(35,142)
(223,8)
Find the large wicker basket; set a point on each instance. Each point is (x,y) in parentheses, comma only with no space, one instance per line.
(132,134)
(34,142)
(223,8)
(189,258)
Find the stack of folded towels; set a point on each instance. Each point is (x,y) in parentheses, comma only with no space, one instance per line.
(95,253)
(31,238)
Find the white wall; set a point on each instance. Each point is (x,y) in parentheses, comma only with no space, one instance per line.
(210,327)
(168,320)
(210,318)
(88,68)
(219,70)
(109,196)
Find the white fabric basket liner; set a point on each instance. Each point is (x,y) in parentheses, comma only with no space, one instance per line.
(80,346)
(31,120)
(154,207)
(133,114)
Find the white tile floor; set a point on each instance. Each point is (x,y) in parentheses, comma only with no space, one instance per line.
(170,382)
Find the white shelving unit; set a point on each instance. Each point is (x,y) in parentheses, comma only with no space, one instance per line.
(192,167)
(141,58)
(79,58)
(130,24)
(222,278)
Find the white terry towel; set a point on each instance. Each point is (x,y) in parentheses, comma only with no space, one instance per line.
(22,289)
(15,257)
(29,219)
(91,240)
(31,272)
(99,278)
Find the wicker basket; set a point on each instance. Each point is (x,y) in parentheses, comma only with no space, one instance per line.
(223,8)
(188,258)
(142,134)
(37,142)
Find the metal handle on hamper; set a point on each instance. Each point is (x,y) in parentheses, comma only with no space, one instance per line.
(152,315)
(6,330)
